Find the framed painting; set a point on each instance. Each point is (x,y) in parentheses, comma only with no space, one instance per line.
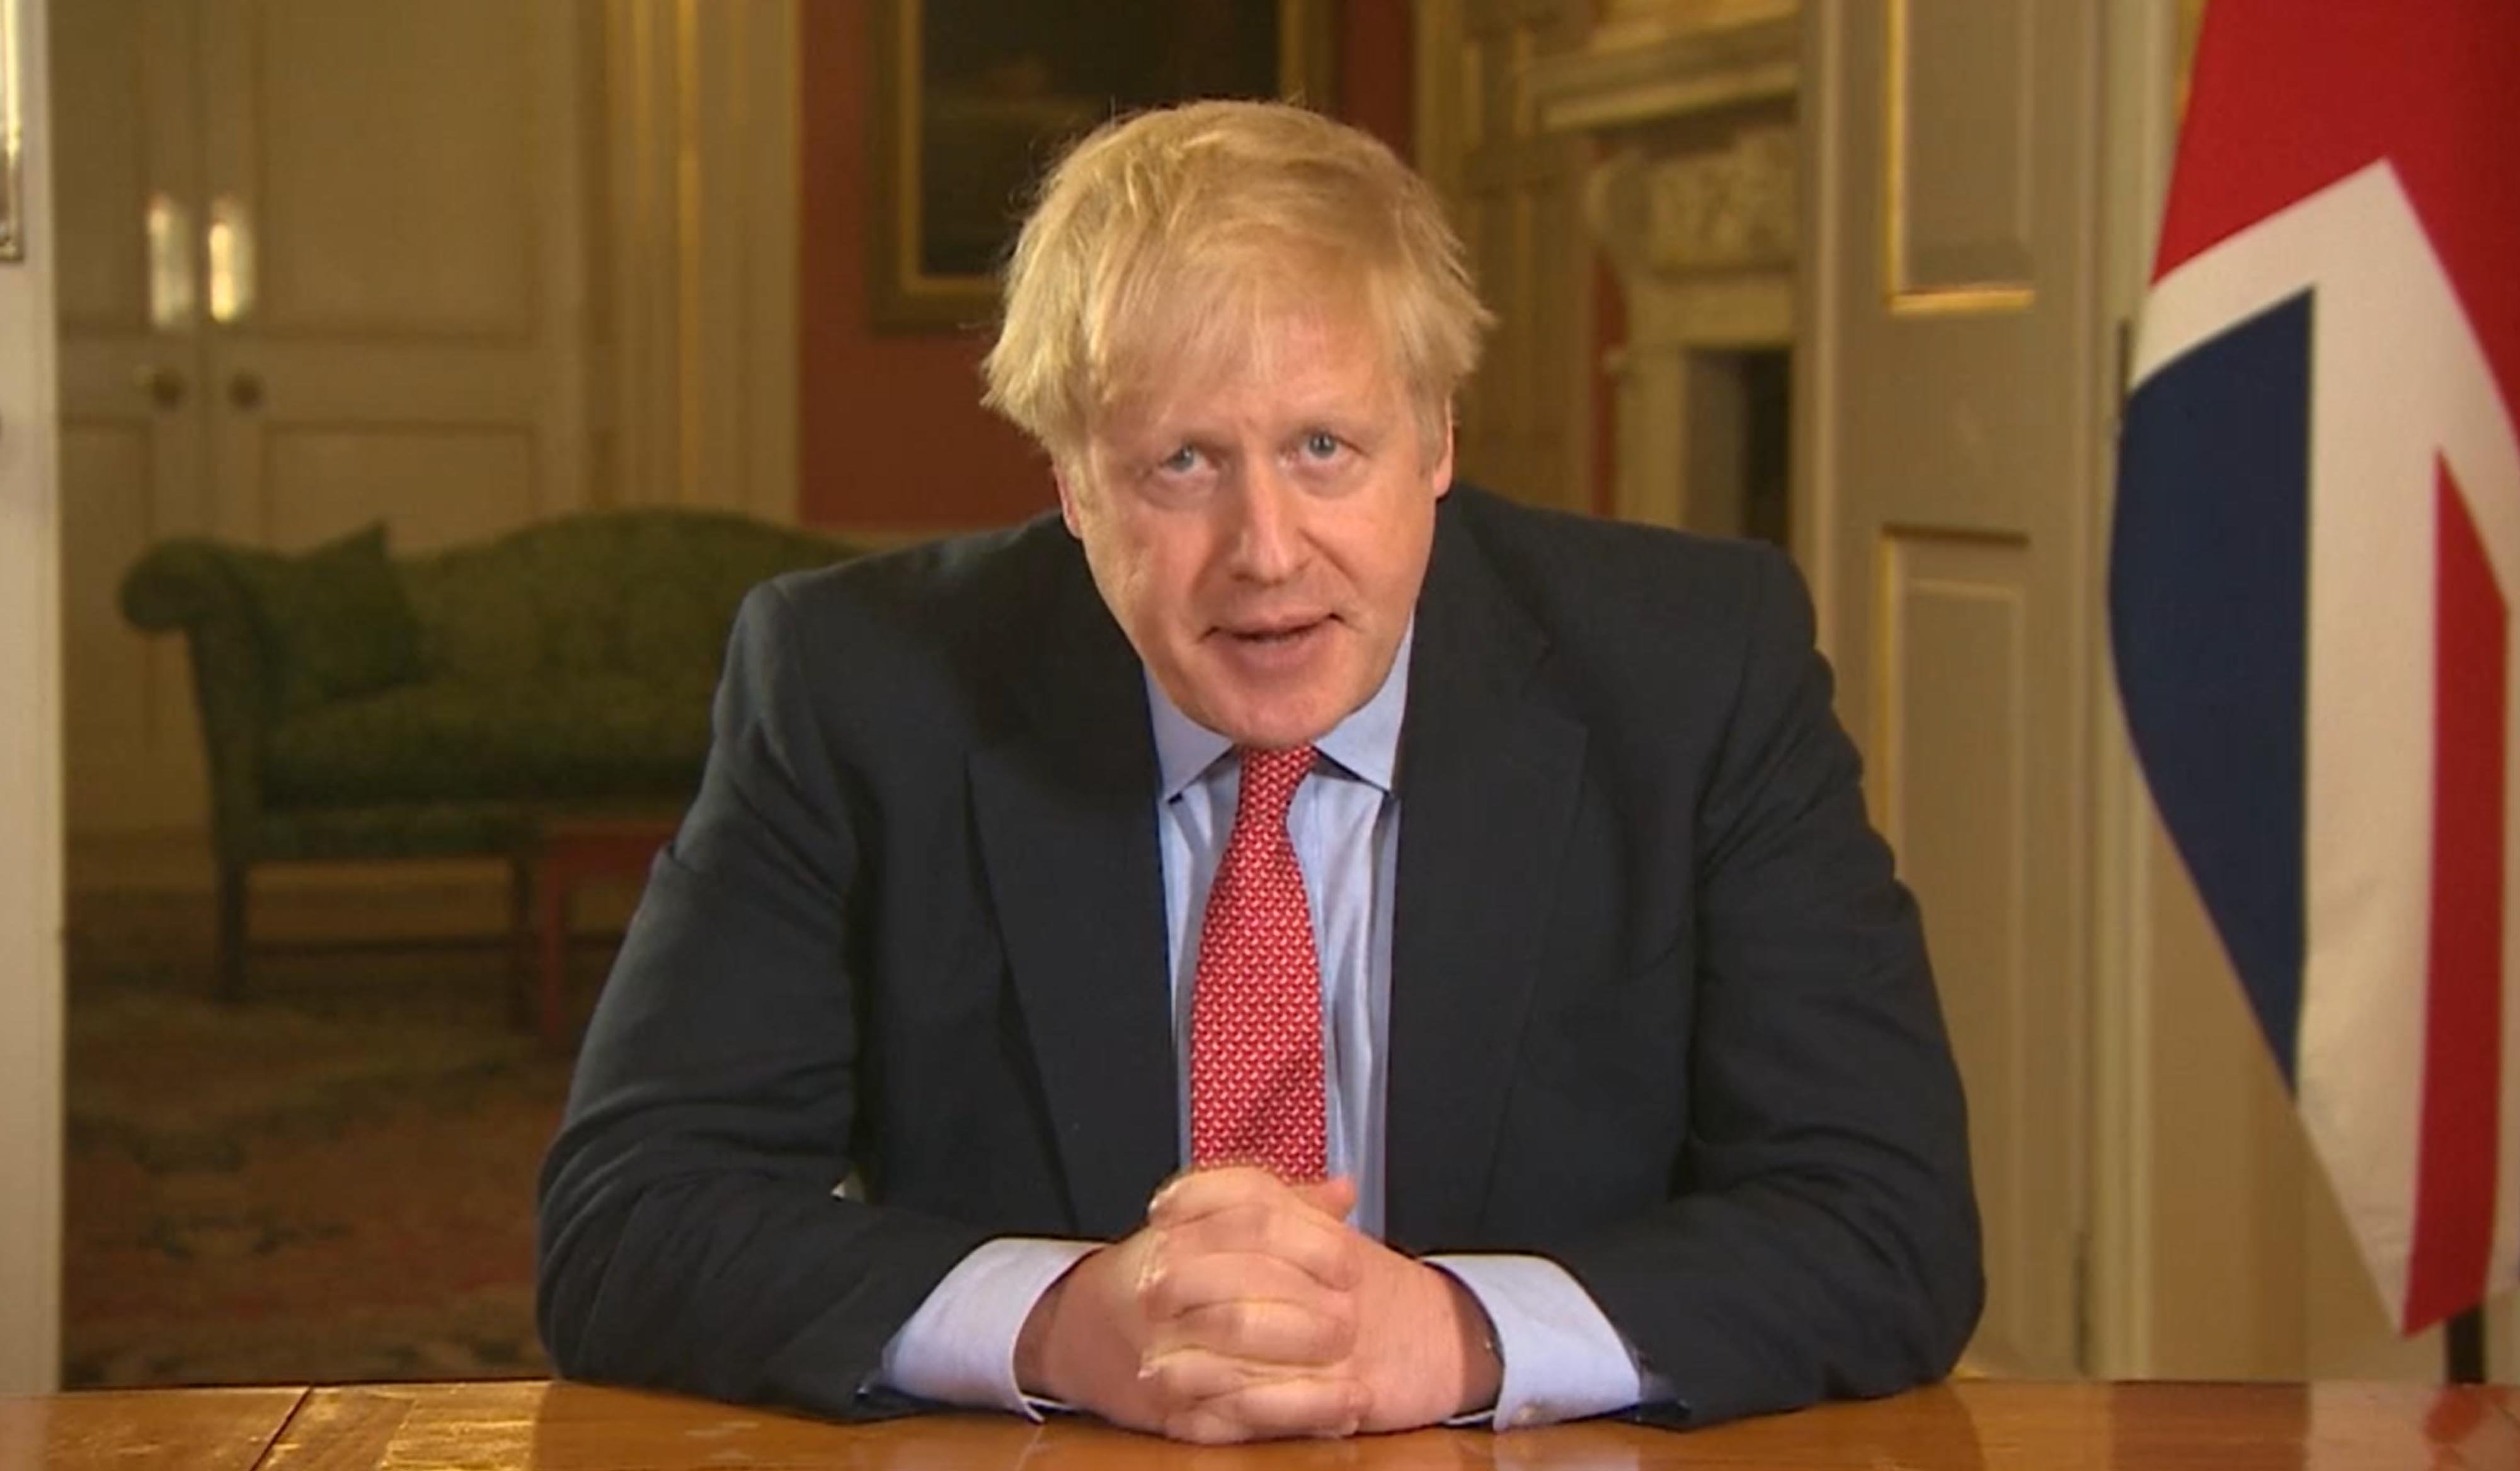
(974,99)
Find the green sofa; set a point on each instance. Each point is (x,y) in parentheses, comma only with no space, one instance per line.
(357,705)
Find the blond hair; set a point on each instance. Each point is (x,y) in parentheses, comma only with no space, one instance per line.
(1162,241)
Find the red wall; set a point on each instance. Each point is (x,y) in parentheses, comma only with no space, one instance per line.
(891,431)
(1378,90)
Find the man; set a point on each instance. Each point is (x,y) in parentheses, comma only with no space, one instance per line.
(1291,947)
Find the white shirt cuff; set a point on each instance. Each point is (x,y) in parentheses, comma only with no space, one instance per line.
(1563,1359)
(960,1347)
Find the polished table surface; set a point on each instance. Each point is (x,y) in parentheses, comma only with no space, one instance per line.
(212,1429)
(1997,1426)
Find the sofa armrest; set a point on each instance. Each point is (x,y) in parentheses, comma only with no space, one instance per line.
(191,586)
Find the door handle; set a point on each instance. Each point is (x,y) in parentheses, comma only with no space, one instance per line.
(163,384)
(245,391)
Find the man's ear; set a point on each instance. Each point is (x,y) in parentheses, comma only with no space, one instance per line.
(1068,510)
(1440,474)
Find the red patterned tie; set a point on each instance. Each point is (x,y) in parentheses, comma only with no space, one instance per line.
(1255,1021)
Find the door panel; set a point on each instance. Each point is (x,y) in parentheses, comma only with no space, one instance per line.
(1952,438)
(1956,681)
(389,165)
(130,443)
(1964,141)
(384,311)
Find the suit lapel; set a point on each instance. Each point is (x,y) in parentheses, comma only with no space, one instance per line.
(1488,783)
(1066,819)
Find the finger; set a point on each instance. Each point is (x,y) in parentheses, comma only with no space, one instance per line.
(1296,1331)
(1268,1413)
(1326,1250)
(1185,1279)
(1334,1196)
(1197,1192)
(1208,1398)
(1215,1298)
(1278,1335)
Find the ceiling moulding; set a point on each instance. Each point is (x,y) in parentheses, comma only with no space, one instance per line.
(1647,71)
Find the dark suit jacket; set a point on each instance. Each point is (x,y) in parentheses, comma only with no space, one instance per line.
(1659,1009)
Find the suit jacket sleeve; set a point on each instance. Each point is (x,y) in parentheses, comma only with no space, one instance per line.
(688,1234)
(1821,1237)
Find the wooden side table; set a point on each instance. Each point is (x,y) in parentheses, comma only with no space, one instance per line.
(563,853)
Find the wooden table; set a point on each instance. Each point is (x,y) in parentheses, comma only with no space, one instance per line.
(142,1430)
(1986,1426)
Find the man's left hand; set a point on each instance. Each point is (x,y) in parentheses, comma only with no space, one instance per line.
(1422,1346)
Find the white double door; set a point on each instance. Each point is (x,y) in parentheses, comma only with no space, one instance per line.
(320,264)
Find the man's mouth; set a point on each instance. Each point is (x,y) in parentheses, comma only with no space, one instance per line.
(1273,635)
(1272,630)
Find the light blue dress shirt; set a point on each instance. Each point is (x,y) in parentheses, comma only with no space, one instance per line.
(1562,1358)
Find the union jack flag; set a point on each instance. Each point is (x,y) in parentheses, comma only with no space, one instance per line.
(2318,544)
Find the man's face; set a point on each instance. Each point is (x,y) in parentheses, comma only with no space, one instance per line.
(1260,535)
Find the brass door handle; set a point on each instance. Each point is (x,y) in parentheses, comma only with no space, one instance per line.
(245,391)
(163,384)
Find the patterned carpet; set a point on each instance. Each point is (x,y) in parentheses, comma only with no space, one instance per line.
(332,1181)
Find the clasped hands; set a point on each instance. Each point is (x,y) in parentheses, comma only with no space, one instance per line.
(1249,1309)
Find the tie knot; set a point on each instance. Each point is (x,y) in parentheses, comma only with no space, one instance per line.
(1270,780)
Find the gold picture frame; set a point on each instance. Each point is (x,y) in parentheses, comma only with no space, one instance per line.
(973,98)
(13,138)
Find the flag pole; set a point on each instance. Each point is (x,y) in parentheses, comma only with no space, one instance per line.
(2463,1346)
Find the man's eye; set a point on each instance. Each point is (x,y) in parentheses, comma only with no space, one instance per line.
(1179,462)
(1320,444)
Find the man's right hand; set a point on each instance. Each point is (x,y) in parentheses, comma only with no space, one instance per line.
(1230,1316)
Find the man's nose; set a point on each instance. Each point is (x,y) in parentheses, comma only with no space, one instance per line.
(1268,535)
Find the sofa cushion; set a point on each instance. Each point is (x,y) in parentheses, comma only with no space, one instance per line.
(332,622)
(591,738)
